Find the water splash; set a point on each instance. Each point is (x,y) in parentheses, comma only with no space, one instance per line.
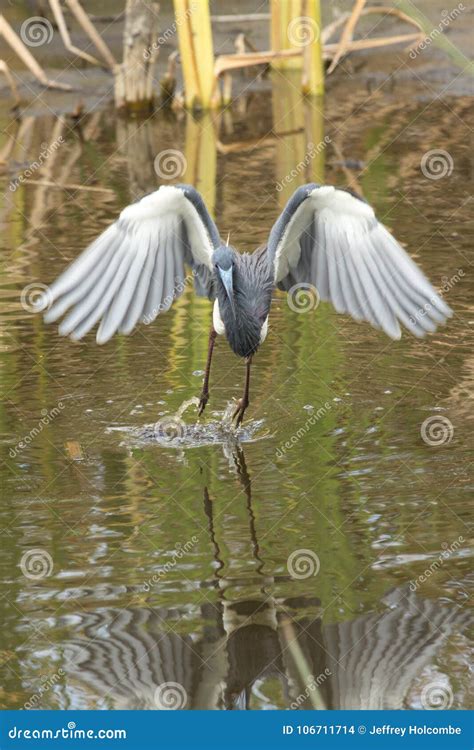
(194,401)
(171,431)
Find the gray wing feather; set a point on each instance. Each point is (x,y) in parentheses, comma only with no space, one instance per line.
(94,298)
(331,239)
(321,261)
(117,309)
(74,285)
(135,269)
(138,303)
(170,285)
(153,292)
(405,310)
(347,291)
(360,292)
(336,265)
(95,309)
(410,299)
(85,264)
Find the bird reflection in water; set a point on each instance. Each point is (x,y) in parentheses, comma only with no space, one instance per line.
(370,662)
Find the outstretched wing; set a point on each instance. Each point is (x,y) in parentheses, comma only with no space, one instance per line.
(135,269)
(331,239)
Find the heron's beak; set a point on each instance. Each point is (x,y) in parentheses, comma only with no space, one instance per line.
(226,277)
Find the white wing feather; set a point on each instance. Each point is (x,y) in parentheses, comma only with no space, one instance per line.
(135,269)
(355,263)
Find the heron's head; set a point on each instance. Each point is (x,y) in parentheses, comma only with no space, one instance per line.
(224,260)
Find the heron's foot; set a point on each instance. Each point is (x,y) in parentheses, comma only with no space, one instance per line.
(203,399)
(238,414)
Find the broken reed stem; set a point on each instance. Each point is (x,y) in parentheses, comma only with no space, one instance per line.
(347,33)
(88,27)
(14,41)
(11,82)
(360,44)
(70,186)
(64,32)
(384,10)
(233,62)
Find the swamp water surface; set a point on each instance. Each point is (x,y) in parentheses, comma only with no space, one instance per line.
(329,547)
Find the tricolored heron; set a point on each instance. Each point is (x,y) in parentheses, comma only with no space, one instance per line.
(325,236)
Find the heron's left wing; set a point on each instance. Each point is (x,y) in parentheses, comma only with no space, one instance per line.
(136,268)
(331,239)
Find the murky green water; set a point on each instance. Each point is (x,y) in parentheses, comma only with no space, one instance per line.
(166,564)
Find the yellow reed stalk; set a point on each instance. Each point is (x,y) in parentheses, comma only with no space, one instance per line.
(283,12)
(296,26)
(313,76)
(193,23)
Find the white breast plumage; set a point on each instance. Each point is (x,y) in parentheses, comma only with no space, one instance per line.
(264,331)
(217,321)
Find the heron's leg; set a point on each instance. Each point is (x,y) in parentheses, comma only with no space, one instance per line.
(204,398)
(244,401)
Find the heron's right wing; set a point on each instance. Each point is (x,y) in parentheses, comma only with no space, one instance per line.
(332,240)
(135,269)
